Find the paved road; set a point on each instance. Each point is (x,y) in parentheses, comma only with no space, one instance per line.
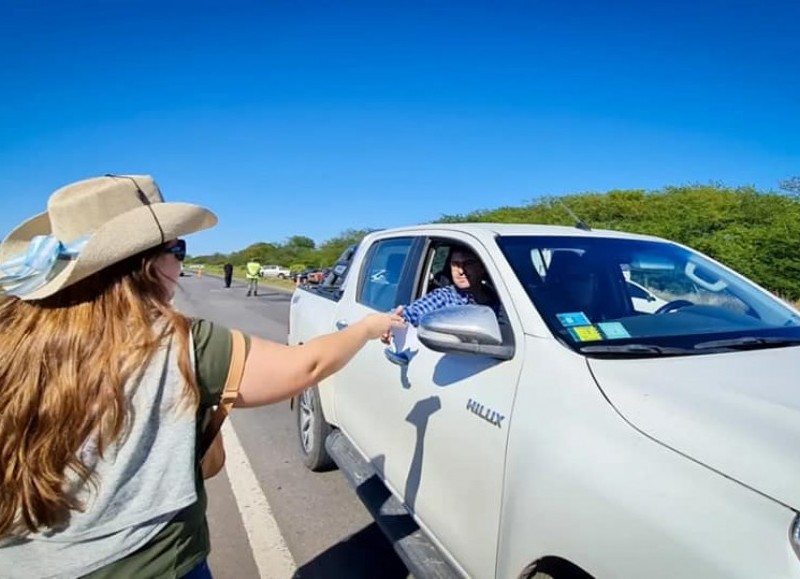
(317,516)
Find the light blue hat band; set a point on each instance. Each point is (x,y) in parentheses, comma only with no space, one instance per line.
(27,273)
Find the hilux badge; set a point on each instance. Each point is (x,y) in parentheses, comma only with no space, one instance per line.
(489,415)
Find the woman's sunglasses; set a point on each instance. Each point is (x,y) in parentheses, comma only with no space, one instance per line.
(178,249)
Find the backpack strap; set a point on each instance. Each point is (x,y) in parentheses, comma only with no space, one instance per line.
(231,390)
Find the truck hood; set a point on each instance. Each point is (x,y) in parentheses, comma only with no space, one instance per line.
(737,413)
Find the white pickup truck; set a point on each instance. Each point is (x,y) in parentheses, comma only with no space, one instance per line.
(571,433)
(275,271)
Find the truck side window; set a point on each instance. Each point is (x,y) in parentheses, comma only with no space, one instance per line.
(437,275)
(438,269)
(382,273)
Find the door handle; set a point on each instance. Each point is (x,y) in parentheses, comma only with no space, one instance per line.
(341,324)
(399,358)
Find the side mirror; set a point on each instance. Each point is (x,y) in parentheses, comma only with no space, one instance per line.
(468,329)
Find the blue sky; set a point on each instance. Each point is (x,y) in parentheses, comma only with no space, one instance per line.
(310,118)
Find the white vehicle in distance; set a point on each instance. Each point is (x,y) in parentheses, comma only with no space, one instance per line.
(275,271)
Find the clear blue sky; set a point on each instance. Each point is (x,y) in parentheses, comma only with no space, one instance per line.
(309,118)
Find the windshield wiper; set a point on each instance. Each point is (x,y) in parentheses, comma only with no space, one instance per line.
(636,350)
(748,343)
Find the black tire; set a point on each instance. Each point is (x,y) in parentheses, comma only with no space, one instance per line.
(554,568)
(312,430)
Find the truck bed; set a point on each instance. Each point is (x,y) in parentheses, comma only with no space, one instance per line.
(312,312)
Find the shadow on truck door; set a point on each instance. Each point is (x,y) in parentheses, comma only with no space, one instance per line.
(453,368)
(419,416)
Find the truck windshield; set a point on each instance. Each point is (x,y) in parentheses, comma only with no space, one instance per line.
(628,297)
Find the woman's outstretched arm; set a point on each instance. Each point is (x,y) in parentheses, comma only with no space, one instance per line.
(275,372)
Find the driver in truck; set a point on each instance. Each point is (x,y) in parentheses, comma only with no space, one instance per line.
(468,285)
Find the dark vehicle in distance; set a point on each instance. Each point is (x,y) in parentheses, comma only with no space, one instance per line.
(308,275)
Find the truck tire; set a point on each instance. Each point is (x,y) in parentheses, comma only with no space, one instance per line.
(312,430)
(554,568)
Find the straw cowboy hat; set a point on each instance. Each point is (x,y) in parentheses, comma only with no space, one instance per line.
(109,218)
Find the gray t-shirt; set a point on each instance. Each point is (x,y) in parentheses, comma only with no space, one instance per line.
(148,493)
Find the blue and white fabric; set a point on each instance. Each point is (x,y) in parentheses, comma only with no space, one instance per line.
(27,273)
(439,298)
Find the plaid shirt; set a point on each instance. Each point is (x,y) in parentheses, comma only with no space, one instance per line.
(436,300)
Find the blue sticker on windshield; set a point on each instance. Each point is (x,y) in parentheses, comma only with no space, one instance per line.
(613,330)
(571,319)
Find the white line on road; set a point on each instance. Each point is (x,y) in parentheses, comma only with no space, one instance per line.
(272,556)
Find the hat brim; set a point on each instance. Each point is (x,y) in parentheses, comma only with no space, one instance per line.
(16,242)
(124,236)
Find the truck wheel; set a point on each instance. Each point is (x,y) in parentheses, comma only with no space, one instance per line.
(554,568)
(312,430)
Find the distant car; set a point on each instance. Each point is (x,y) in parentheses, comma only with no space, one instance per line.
(301,276)
(323,274)
(311,275)
(275,271)
(192,269)
(316,276)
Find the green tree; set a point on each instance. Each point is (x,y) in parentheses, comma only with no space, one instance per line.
(753,232)
(330,250)
(301,242)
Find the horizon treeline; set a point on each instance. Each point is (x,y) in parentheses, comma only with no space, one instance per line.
(754,232)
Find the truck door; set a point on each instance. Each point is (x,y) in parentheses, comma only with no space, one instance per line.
(436,427)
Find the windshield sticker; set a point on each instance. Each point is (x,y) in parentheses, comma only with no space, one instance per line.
(613,330)
(585,333)
(571,319)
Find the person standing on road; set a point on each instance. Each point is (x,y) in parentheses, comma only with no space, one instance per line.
(228,269)
(253,272)
(105,387)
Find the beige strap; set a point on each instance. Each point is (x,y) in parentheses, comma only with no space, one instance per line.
(231,391)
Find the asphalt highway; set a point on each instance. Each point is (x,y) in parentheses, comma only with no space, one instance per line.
(269,516)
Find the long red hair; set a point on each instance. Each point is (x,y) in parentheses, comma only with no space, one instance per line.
(65,362)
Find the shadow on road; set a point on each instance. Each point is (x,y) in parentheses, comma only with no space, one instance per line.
(364,555)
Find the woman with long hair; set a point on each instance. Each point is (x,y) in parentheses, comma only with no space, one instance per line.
(105,387)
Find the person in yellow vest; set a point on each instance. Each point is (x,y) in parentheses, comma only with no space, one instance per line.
(253,272)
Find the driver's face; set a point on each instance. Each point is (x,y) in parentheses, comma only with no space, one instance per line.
(466,269)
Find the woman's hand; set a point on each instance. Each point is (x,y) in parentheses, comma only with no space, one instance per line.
(274,372)
(386,337)
(380,325)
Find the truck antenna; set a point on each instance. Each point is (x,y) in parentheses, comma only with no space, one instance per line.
(579,223)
